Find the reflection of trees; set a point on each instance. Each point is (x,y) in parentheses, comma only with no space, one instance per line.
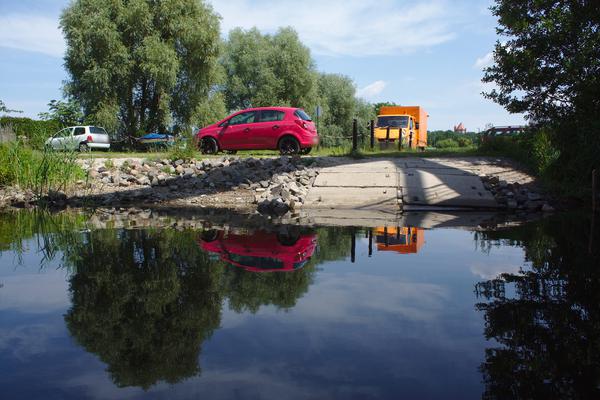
(143,302)
(247,291)
(549,329)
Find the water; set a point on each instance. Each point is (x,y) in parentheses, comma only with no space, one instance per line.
(271,313)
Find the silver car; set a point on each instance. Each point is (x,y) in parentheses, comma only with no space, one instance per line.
(82,138)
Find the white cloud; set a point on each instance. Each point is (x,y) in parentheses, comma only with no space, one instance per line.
(348,27)
(32,33)
(484,61)
(371,90)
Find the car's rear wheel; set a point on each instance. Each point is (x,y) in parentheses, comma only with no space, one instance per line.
(306,150)
(209,145)
(83,147)
(289,145)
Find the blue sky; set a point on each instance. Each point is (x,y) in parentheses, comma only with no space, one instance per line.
(427,53)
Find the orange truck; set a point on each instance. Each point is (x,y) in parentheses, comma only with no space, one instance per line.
(405,123)
(403,239)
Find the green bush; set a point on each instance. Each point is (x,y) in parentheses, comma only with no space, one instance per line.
(533,148)
(35,131)
(185,147)
(464,142)
(447,143)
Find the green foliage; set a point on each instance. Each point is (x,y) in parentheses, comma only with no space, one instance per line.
(210,110)
(268,70)
(464,142)
(185,147)
(67,113)
(447,143)
(41,171)
(36,132)
(547,66)
(140,64)
(534,149)
(466,139)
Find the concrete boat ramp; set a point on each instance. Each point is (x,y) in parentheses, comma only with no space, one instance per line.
(402,184)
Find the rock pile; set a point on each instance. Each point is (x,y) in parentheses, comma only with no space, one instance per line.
(277,184)
(514,196)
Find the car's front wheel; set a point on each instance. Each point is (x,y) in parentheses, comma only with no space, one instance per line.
(288,145)
(209,145)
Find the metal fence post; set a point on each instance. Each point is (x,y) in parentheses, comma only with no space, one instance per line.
(594,191)
(354,134)
(372,134)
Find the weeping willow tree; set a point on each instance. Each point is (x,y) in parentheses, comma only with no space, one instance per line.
(141,65)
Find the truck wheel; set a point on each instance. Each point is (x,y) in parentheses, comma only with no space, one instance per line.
(288,145)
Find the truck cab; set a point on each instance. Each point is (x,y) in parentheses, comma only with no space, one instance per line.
(408,124)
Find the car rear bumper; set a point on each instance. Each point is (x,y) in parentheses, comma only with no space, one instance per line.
(92,145)
(309,141)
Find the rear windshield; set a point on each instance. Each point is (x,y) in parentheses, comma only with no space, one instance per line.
(95,129)
(302,115)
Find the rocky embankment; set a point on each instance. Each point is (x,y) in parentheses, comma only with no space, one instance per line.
(273,185)
(515,196)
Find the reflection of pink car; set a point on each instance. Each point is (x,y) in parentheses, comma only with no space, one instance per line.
(261,251)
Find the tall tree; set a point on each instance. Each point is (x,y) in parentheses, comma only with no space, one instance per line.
(548,67)
(336,93)
(268,70)
(141,64)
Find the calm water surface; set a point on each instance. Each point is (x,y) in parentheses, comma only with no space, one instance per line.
(276,313)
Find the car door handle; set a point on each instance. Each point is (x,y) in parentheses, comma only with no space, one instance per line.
(247,130)
(276,127)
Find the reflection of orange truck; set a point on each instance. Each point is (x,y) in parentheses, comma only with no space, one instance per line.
(404,240)
(407,122)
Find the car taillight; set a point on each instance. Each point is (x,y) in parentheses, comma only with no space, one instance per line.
(302,124)
(90,139)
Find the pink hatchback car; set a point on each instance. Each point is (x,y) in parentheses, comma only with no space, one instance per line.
(289,130)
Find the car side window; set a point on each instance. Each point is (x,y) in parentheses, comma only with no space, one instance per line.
(271,115)
(243,118)
(80,130)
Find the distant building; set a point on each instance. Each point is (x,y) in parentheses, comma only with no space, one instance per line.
(460,128)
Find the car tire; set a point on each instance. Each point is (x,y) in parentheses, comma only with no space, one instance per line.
(209,235)
(209,145)
(306,150)
(288,145)
(288,239)
(83,147)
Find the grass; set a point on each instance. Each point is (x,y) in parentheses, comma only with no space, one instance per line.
(40,171)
